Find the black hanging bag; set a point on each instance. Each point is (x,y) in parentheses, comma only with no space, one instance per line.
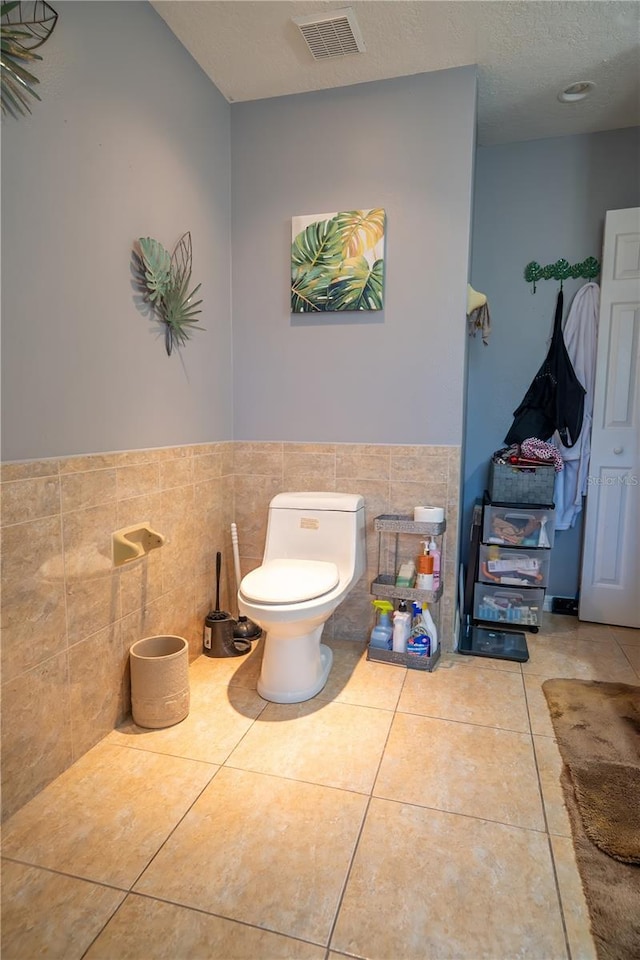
(555,399)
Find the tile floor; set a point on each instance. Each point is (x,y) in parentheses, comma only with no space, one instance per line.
(399,815)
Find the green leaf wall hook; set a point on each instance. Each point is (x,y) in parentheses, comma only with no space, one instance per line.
(561,270)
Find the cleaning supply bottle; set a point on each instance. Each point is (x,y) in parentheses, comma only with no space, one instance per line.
(419,642)
(431,628)
(401,628)
(435,553)
(425,567)
(381,633)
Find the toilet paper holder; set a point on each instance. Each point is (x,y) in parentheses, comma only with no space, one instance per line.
(133,542)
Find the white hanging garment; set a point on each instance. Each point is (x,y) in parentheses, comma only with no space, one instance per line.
(580,331)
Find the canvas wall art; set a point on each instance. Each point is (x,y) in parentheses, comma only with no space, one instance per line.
(337,261)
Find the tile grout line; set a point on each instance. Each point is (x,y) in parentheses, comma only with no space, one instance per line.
(626,656)
(173,829)
(465,723)
(191,805)
(105,925)
(361,830)
(546,823)
(62,873)
(205,913)
(67,645)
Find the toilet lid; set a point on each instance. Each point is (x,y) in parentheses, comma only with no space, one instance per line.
(290,581)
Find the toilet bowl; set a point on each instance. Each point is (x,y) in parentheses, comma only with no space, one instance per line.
(314,554)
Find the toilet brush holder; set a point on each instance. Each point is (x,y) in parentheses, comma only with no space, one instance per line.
(219,640)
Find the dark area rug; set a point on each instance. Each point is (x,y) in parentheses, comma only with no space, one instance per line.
(597,726)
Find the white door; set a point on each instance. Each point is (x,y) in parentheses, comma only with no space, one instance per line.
(610,586)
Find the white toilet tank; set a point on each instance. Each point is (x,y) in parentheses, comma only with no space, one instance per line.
(318,526)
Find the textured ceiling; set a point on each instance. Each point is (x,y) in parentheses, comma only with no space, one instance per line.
(526,52)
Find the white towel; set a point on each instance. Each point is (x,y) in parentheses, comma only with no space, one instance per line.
(580,331)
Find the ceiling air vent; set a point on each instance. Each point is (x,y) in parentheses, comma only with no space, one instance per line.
(332,34)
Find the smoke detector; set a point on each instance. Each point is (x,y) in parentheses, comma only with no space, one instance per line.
(333,34)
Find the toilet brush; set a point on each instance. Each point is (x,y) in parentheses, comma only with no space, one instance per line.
(244,629)
(218,639)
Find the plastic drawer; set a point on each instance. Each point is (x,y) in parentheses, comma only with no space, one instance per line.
(513,566)
(514,526)
(516,606)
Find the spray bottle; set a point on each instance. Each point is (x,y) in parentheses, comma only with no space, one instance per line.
(381,633)
(431,627)
(435,553)
(401,628)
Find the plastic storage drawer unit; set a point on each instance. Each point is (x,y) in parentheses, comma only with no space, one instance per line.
(514,526)
(516,607)
(513,566)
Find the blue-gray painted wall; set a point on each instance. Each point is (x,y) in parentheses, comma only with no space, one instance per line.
(131,139)
(538,200)
(396,376)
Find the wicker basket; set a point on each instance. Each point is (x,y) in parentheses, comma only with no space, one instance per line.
(509,483)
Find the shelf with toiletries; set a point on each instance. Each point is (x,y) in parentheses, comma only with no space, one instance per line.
(416,581)
(401,523)
(385,585)
(407,587)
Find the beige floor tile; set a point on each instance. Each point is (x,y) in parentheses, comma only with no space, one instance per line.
(554,624)
(632,653)
(574,905)
(479,663)
(105,817)
(537,704)
(234,671)
(550,767)
(153,930)
(627,635)
(354,679)
(563,656)
(218,719)
(48,915)
(334,744)
(263,850)
(487,697)
(461,768)
(428,884)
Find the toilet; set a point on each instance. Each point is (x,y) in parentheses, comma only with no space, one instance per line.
(314,554)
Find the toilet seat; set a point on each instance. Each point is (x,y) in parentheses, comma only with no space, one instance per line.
(290,581)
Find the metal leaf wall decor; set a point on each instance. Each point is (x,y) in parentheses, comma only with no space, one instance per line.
(23,27)
(167,279)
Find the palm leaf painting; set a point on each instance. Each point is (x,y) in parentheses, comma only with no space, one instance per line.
(23,27)
(358,287)
(167,279)
(337,261)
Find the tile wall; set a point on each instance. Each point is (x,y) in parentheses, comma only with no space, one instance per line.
(69,618)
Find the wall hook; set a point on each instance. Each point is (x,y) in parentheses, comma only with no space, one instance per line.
(561,270)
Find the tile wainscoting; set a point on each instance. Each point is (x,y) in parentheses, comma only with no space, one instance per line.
(69,618)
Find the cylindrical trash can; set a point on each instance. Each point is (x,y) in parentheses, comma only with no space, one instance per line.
(159,681)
